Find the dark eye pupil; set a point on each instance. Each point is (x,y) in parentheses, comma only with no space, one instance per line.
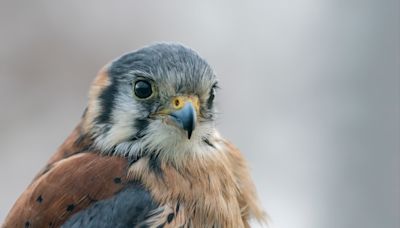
(143,89)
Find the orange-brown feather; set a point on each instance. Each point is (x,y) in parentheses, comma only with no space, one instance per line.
(101,82)
(72,184)
(215,192)
(205,191)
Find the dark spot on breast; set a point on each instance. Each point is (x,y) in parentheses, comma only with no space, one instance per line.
(50,224)
(117,180)
(155,165)
(206,141)
(27,224)
(170,217)
(70,207)
(39,199)
(177,208)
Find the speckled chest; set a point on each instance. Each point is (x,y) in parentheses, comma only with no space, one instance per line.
(194,195)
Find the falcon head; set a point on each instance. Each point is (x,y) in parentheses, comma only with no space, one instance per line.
(158,100)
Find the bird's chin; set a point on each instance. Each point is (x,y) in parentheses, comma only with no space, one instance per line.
(171,124)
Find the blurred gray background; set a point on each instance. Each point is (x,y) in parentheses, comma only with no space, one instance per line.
(310,93)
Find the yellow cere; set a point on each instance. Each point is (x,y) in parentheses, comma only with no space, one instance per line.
(179,102)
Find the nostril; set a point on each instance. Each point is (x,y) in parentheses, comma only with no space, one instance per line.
(177,102)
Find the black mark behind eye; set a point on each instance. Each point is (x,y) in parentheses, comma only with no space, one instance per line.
(211,96)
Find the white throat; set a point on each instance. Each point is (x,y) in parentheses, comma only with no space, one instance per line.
(169,143)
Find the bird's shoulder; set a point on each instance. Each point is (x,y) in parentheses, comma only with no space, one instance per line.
(66,187)
(79,187)
(131,207)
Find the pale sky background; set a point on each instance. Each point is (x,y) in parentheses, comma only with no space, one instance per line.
(310,93)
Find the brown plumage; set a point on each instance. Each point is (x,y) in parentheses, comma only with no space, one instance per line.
(132,163)
(218,189)
(72,180)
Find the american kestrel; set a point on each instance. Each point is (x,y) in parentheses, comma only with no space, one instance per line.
(145,154)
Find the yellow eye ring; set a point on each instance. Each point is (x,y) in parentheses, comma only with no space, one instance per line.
(178,102)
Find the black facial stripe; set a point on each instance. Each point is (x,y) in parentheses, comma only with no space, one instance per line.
(140,126)
(155,164)
(107,100)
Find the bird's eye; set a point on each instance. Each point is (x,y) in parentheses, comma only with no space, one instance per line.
(143,89)
(211,97)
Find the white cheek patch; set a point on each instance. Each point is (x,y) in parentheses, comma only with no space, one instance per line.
(170,143)
(123,119)
(122,124)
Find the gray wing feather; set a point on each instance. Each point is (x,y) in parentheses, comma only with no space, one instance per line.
(128,208)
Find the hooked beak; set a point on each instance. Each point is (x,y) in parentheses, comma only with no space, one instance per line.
(185,118)
(183,112)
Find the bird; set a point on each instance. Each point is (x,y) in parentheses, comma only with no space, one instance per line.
(146,153)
